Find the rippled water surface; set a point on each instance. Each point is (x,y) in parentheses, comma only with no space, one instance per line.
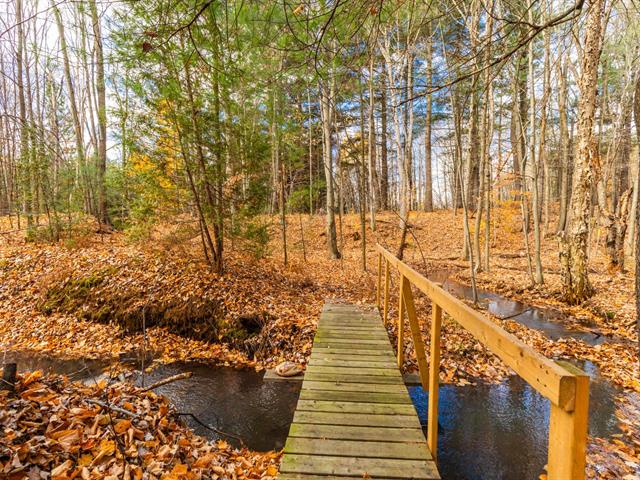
(500,431)
(234,401)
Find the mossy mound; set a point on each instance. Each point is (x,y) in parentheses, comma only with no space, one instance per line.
(99,296)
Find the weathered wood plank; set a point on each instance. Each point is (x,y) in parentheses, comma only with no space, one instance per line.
(355,448)
(311,375)
(351,341)
(347,318)
(367,327)
(340,370)
(344,334)
(360,325)
(353,349)
(354,418)
(357,419)
(351,387)
(371,467)
(355,396)
(355,407)
(355,329)
(351,362)
(363,325)
(365,434)
(331,355)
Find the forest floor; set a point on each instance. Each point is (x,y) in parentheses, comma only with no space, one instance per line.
(89,295)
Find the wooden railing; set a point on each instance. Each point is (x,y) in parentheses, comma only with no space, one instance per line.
(566,386)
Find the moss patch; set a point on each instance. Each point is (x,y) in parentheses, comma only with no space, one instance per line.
(98,297)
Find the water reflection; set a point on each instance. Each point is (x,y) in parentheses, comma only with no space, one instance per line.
(234,401)
(501,431)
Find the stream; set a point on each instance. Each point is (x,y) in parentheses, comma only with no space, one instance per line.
(500,431)
(486,431)
(547,320)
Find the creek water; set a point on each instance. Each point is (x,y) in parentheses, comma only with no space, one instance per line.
(486,431)
(547,320)
(237,402)
(500,431)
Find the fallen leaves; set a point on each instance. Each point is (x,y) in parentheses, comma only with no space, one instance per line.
(619,457)
(67,435)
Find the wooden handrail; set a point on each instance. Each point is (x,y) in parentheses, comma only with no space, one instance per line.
(566,386)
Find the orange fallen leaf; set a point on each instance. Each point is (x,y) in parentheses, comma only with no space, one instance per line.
(122,426)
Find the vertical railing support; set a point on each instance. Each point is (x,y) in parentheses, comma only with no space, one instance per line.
(385,312)
(379,289)
(416,334)
(401,323)
(568,432)
(434,380)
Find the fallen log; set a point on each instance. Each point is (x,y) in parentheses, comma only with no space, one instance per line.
(9,377)
(113,408)
(174,378)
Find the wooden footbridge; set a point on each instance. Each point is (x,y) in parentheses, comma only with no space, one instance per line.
(355,419)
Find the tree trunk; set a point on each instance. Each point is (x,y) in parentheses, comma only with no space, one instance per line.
(533,160)
(564,146)
(373,180)
(362,185)
(310,138)
(428,176)
(573,255)
(384,166)
(24,127)
(216,253)
(327,153)
(518,115)
(103,214)
(636,184)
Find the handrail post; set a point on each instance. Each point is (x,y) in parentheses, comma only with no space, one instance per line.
(385,313)
(568,432)
(379,289)
(401,324)
(434,379)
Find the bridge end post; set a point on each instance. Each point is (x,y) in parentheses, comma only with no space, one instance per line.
(434,380)
(568,432)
